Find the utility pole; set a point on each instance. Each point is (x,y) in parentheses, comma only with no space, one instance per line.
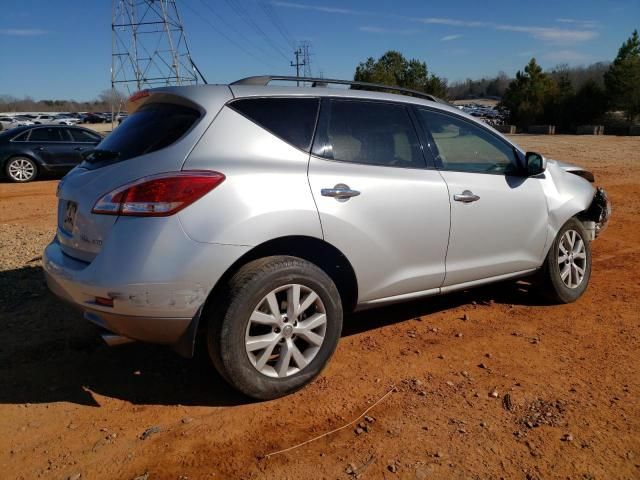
(148,48)
(298,63)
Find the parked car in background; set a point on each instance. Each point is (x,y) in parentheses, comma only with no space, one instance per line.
(43,119)
(258,215)
(27,152)
(92,118)
(65,120)
(12,122)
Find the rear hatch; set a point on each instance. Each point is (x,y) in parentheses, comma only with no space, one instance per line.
(162,128)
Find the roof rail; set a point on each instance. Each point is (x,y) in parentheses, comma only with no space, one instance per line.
(264,80)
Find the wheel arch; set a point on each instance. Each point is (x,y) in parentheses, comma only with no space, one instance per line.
(319,252)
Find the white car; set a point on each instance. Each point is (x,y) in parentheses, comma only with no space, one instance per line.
(10,122)
(43,119)
(65,121)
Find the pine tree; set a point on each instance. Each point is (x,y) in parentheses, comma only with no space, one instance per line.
(622,80)
(528,94)
(393,68)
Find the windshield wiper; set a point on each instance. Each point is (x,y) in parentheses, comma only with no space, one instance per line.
(98,154)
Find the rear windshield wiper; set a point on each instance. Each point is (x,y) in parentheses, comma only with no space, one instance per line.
(98,154)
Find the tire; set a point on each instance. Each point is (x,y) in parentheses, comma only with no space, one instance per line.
(21,169)
(561,281)
(307,340)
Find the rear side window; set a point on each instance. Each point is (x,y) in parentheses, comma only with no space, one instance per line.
(373,133)
(291,119)
(83,136)
(152,127)
(21,138)
(45,135)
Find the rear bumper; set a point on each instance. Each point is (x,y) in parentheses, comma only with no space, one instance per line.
(159,311)
(62,274)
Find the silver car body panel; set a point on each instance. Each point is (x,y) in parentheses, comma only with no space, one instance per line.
(404,235)
(481,240)
(266,184)
(394,233)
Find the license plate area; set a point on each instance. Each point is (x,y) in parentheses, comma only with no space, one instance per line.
(69,219)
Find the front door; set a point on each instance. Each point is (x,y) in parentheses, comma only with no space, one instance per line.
(499,217)
(378,202)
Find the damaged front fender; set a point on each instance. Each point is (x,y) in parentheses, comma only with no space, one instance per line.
(596,217)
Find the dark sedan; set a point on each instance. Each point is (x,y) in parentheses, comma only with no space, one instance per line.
(26,152)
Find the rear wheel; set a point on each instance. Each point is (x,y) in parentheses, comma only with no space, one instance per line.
(280,326)
(567,269)
(21,169)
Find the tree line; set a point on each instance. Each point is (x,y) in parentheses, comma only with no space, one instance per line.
(102,103)
(565,97)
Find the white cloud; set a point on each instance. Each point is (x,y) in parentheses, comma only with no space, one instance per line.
(577,31)
(22,32)
(581,23)
(398,31)
(318,8)
(448,38)
(452,22)
(562,56)
(552,35)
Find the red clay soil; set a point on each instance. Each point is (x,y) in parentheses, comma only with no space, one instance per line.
(490,383)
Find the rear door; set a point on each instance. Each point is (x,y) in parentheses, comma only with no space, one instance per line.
(379,203)
(53,146)
(498,216)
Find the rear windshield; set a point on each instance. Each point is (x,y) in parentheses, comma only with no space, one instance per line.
(150,128)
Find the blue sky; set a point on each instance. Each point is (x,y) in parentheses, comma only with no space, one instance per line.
(62,48)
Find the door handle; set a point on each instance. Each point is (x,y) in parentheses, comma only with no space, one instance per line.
(79,149)
(39,149)
(466,196)
(340,192)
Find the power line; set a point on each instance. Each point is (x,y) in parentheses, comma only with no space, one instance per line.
(244,38)
(244,15)
(227,37)
(277,22)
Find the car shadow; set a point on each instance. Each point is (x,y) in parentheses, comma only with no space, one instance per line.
(48,353)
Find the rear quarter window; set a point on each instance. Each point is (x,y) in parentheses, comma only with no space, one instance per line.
(291,119)
(150,128)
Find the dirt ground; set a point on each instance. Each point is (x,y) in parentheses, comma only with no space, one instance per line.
(565,379)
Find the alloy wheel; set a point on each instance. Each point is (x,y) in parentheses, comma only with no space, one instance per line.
(572,259)
(286,330)
(21,170)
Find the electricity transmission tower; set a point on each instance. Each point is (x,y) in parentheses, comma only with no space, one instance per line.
(149,48)
(306,58)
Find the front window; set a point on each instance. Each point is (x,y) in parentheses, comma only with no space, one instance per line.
(462,146)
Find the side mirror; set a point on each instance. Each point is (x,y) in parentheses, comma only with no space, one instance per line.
(535,164)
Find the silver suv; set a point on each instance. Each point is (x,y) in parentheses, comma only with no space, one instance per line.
(258,215)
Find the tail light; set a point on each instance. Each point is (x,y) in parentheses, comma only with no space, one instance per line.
(158,195)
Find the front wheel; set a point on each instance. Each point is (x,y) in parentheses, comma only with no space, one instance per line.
(567,268)
(279,329)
